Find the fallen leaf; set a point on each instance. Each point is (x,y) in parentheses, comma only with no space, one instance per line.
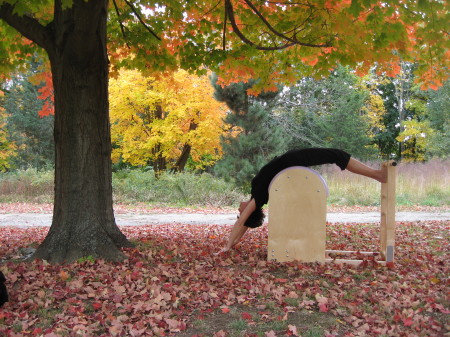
(292,329)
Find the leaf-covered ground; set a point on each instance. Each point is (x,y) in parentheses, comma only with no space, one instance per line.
(173,285)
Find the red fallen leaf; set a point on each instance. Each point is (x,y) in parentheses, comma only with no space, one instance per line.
(246,316)
(322,302)
(226,310)
(37,331)
(390,265)
(408,321)
(96,305)
(323,307)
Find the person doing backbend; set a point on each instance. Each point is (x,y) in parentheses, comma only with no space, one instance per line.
(250,212)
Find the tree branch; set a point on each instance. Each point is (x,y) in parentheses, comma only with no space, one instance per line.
(27,26)
(141,21)
(225,19)
(290,41)
(277,33)
(230,13)
(121,24)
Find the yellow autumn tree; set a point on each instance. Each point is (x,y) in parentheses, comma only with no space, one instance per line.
(163,121)
(415,137)
(7,149)
(374,111)
(415,132)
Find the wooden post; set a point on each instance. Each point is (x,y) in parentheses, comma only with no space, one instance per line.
(387,235)
(297,216)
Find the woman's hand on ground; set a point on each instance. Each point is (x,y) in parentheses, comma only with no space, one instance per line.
(223,250)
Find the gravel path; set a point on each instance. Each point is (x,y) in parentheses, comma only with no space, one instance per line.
(133,219)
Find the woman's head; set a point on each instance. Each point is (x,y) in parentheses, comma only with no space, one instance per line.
(255,219)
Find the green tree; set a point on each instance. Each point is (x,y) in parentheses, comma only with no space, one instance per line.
(253,138)
(386,136)
(438,109)
(327,113)
(266,41)
(33,134)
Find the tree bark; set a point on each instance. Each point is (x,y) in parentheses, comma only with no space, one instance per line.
(182,160)
(83,219)
(185,152)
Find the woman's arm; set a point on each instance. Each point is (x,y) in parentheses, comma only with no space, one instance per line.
(239,229)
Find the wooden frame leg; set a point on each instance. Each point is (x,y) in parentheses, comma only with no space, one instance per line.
(387,235)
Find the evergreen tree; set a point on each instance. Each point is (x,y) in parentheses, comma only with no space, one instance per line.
(32,134)
(253,138)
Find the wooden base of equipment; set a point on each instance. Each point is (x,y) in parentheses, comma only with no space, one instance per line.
(297,216)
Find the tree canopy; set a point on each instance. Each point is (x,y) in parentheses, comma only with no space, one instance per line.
(273,41)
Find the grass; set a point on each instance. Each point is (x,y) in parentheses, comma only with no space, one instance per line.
(186,189)
(270,318)
(418,184)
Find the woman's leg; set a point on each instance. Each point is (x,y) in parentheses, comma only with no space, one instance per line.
(357,167)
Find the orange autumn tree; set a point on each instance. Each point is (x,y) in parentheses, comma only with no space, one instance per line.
(271,41)
(163,121)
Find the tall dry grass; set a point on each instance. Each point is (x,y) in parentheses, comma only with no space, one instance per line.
(426,184)
(30,185)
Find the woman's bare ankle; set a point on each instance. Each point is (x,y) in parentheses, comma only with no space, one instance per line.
(383,174)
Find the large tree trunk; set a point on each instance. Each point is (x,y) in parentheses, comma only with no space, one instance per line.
(83,220)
